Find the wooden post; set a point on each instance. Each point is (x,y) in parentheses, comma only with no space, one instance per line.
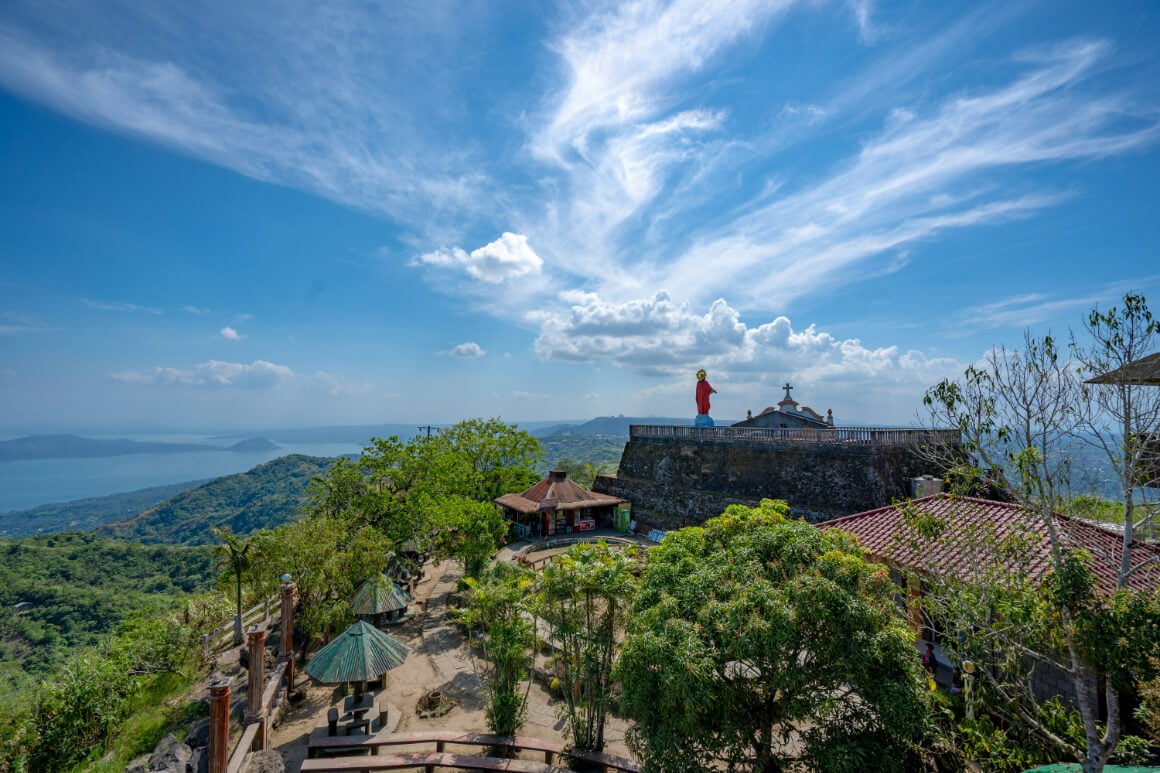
(255,711)
(914,605)
(286,639)
(219,725)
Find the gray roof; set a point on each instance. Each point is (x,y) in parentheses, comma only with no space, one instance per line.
(1144,371)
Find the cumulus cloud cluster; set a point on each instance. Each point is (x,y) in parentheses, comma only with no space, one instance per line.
(658,336)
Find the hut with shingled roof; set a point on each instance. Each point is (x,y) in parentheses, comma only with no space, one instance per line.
(558,505)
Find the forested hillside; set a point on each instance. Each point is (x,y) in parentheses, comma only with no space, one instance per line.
(267,496)
(603,451)
(60,591)
(88,514)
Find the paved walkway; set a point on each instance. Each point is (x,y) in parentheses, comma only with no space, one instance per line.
(453,661)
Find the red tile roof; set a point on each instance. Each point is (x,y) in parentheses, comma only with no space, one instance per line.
(886,535)
(557,491)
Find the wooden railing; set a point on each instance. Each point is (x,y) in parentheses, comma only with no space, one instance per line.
(866,436)
(271,697)
(223,637)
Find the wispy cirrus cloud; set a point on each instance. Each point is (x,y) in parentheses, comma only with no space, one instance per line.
(127,307)
(1029,309)
(922,175)
(274,95)
(13,324)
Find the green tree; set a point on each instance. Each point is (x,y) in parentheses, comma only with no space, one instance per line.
(584,596)
(468,531)
(502,458)
(235,556)
(1149,710)
(403,487)
(328,559)
(756,636)
(496,606)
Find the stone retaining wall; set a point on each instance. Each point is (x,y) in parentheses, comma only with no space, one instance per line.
(674,482)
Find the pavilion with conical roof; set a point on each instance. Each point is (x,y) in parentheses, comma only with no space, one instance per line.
(381,595)
(558,505)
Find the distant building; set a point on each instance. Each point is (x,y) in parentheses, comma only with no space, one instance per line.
(559,505)
(788,415)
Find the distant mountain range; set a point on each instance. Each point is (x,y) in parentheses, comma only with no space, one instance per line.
(611,425)
(76,447)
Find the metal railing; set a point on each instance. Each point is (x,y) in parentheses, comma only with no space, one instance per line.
(866,436)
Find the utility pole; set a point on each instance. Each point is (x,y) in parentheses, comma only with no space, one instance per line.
(428,428)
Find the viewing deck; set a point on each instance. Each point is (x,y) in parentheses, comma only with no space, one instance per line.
(863,436)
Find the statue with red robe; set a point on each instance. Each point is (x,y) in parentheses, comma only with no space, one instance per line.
(704,389)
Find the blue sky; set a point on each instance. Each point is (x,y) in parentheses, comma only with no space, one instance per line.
(244,215)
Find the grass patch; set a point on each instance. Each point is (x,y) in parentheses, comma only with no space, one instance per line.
(162,707)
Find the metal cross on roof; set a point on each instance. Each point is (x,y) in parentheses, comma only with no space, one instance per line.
(787,388)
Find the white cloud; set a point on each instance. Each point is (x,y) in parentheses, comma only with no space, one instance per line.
(230,334)
(130,307)
(195,310)
(507,257)
(469,350)
(259,374)
(656,336)
(519,395)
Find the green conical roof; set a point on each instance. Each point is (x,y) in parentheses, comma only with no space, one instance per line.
(362,652)
(379,594)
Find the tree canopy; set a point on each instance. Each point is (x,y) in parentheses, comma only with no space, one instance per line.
(757,640)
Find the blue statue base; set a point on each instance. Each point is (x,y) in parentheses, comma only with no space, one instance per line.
(703,420)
